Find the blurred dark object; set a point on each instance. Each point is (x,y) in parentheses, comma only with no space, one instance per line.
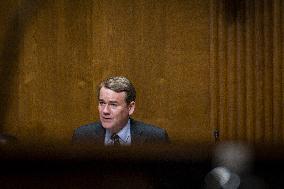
(91,167)
(148,167)
(233,162)
(6,139)
(221,177)
(216,135)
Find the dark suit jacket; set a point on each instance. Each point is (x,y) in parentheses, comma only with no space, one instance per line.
(141,133)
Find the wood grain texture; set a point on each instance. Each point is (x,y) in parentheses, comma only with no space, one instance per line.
(68,47)
(197,66)
(253,89)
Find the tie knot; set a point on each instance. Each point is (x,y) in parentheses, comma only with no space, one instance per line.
(115,139)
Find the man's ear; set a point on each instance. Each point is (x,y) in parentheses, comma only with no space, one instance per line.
(131,107)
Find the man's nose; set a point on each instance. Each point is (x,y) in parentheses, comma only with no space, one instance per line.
(106,109)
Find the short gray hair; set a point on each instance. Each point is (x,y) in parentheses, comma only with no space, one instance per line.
(119,84)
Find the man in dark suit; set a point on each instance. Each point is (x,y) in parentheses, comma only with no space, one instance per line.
(116,96)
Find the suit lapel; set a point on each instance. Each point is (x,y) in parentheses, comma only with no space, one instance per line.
(137,136)
(99,134)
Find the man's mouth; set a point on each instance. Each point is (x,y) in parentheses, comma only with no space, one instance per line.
(106,118)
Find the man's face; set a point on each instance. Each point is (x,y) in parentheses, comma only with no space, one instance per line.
(113,109)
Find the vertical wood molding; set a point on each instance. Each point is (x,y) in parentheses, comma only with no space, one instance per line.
(222,69)
(259,58)
(268,70)
(240,75)
(213,54)
(282,68)
(277,61)
(246,69)
(249,60)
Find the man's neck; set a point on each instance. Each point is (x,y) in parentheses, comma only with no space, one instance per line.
(116,130)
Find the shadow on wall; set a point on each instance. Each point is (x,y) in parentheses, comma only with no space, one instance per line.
(9,56)
(234,10)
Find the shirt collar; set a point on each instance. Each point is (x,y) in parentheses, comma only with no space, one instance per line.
(124,134)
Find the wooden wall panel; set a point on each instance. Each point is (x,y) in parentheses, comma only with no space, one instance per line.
(249,69)
(246,61)
(67,47)
(197,66)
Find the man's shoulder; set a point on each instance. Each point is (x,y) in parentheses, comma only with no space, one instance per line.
(144,133)
(88,127)
(92,133)
(147,128)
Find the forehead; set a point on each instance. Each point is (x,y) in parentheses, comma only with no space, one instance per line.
(110,95)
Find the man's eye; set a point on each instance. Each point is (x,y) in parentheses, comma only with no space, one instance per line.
(101,103)
(113,105)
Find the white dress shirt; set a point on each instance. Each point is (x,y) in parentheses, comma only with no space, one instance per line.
(124,136)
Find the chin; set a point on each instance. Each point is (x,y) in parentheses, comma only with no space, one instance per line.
(107,125)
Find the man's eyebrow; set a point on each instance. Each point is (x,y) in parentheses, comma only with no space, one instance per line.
(113,102)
